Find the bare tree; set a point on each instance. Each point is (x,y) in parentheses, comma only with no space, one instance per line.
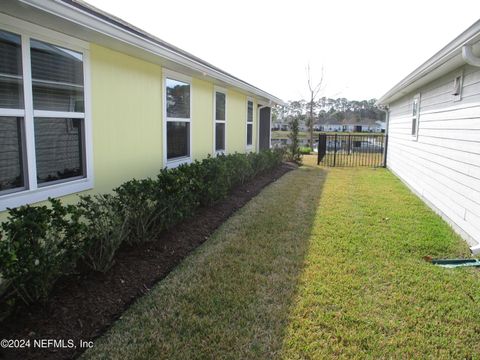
(314,90)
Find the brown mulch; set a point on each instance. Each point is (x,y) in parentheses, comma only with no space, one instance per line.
(83,307)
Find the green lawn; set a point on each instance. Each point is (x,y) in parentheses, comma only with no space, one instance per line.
(324,263)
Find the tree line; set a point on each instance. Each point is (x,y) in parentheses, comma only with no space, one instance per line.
(328,109)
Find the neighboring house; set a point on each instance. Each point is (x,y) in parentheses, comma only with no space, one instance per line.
(366,125)
(330,125)
(434,133)
(88,101)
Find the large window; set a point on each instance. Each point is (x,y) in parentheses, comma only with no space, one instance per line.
(42,119)
(177,117)
(249,123)
(220,120)
(415,115)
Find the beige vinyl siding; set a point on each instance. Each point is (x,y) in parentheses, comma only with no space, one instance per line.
(443,164)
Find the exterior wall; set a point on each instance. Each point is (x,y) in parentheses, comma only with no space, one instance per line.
(236,133)
(443,165)
(202,119)
(127,120)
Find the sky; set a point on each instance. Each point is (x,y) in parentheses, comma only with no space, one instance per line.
(364,47)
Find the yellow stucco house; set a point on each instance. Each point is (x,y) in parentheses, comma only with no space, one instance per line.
(88,101)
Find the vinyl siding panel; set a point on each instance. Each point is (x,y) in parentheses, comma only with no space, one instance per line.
(443,164)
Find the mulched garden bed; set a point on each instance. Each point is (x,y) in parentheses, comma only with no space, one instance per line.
(83,307)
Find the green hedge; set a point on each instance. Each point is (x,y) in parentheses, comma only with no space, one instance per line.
(38,244)
(305,150)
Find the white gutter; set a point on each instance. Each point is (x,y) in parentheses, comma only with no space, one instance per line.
(92,22)
(469,56)
(450,53)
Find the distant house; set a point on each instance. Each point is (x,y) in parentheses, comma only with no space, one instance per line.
(366,125)
(88,101)
(434,133)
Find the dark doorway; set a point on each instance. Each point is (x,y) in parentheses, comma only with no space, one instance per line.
(264,129)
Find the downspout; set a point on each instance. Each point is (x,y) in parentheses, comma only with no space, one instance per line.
(469,57)
(385,109)
(475,249)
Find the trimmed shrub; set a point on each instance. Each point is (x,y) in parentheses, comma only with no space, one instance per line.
(37,246)
(105,230)
(138,209)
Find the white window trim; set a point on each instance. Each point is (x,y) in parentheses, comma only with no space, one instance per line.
(215,121)
(249,147)
(166,73)
(33,193)
(417,117)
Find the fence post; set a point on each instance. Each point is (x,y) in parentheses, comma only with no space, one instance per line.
(318,150)
(385,151)
(335,151)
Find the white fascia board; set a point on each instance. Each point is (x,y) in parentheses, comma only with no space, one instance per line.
(439,64)
(87,20)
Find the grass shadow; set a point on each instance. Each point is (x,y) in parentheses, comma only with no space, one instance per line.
(232,297)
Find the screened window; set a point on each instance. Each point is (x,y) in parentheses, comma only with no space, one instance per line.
(57,78)
(11,154)
(220,120)
(11,72)
(178,139)
(178,118)
(12,170)
(42,140)
(249,122)
(58,149)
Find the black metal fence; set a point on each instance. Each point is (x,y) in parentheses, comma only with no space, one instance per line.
(352,149)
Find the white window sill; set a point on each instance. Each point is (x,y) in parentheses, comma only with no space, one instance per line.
(175,162)
(25,197)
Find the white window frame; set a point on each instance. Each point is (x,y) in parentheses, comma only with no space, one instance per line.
(33,193)
(247,123)
(217,89)
(416,117)
(173,75)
